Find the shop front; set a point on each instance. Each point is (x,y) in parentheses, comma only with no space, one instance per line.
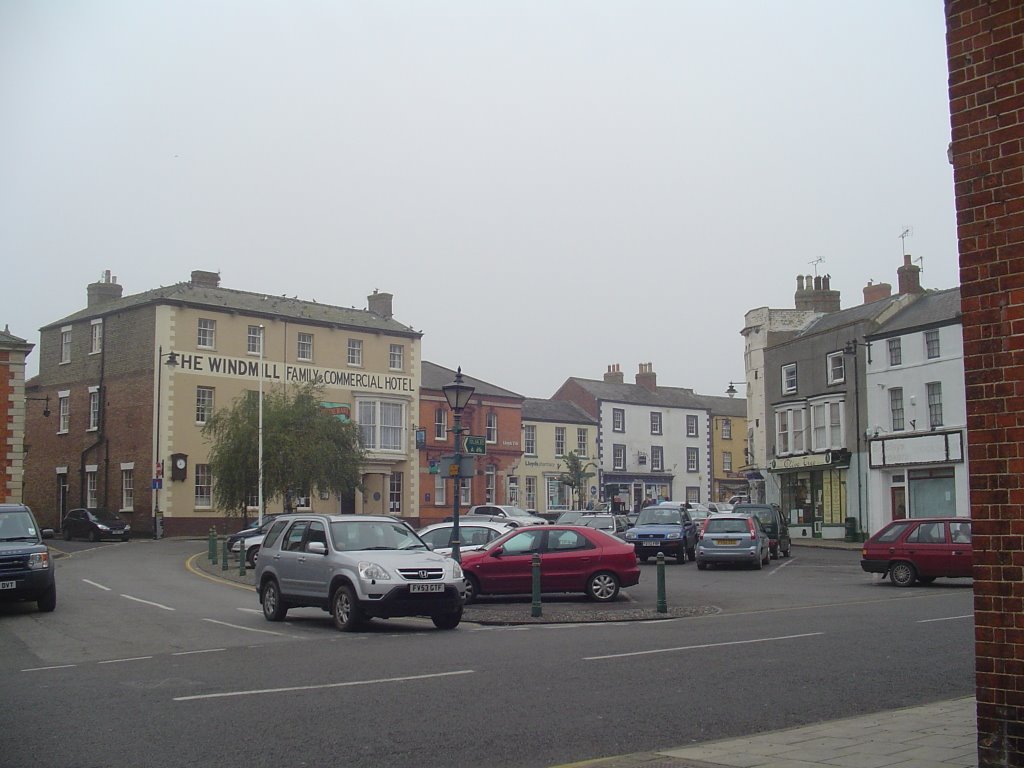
(813,493)
(627,492)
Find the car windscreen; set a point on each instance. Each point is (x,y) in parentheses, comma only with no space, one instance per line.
(599,522)
(17,526)
(516,512)
(654,516)
(105,515)
(352,535)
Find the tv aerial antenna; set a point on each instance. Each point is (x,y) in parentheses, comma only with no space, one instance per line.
(815,264)
(907,232)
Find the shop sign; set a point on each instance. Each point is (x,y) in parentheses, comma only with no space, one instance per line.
(801,462)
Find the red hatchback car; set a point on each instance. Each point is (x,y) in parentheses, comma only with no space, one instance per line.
(572,559)
(920,549)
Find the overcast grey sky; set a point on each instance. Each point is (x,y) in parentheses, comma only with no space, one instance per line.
(546,188)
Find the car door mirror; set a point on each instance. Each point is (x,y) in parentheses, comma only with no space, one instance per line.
(47,533)
(316,548)
(497,551)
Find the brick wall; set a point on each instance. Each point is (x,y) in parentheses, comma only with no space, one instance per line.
(986,96)
(6,427)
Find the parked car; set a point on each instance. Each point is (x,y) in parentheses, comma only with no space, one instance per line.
(512,514)
(719,506)
(616,525)
(733,538)
(740,498)
(250,539)
(27,573)
(572,559)
(570,517)
(357,567)
(665,527)
(920,550)
(95,524)
(473,534)
(774,524)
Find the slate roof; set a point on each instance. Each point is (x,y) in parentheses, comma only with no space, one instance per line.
(256,304)
(726,406)
(634,394)
(932,309)
(559,411)
(850,316)
(434,376)
(9,341)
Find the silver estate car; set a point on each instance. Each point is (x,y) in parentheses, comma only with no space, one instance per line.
(732,538)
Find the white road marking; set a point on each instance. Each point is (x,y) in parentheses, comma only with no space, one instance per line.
(700,647)
(227,694)
(147,602)
(98,586)
(190,653)
(118,661)
(947,618)
(247,629)
(43,669)
(779,566)
(250,610)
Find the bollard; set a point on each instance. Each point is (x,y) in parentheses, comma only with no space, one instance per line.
(535,609)
(241,558)
(662,603)
(224,564)
(212,545)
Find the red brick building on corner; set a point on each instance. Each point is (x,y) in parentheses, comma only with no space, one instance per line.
(13,353)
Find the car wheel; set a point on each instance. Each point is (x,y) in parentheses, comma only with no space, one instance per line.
(773,553)
(603,587)
(472,589)
(902,574)
(95,536)
(48,600)
(701,565)
(758,563)
(767,557)
(681,556)
(67,533)
(274,608)
(643,558)
(785,552)
(691,554)
(447,620)
(345,609)
(251,554)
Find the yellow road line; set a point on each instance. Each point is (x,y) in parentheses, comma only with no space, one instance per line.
(191,568)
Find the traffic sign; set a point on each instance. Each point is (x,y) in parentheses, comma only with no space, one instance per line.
(476,445)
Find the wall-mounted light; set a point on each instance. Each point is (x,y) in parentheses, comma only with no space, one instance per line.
(731,390)
(46,407)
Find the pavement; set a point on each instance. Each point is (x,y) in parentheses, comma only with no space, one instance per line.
(942,734)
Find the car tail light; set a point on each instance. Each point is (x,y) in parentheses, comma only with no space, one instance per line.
(753,528)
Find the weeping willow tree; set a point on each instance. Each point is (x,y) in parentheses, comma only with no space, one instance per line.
(306,450)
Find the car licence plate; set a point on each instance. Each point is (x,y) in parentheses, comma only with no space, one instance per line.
(8,584)
(651,543)
(726,542)
(426,587)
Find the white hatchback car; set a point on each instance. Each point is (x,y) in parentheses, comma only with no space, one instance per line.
(473,534)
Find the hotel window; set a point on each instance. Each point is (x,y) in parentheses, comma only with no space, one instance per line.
(96,337)
(896,408)
(355,352)
(895,351)
(127,489)
(490,484)
(530,440)
(798,431)
(63,411)
(934,404)
(94,408)
(513,490)
(254,340)
(657,458)
(381,424)
(836,368)
(204,486)
(782,433)
(492,428)
(789,379)
(692,459)
(396,357)
(305,347)
(618,420)
(727,429)
(559,441)
(439,486)
(691,426)
(91,496)
(206,333)
(466,491)
(931,342)
(826,426)
(65,345)
(618,457)
(395,494)
(655,423)
(727,461)
(531,492)
(693,494)
(204,404)
(581,443)
(440,424)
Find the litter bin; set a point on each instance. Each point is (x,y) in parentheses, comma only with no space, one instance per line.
(851,529)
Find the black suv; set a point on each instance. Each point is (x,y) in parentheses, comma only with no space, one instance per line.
(26,570)
(774,524)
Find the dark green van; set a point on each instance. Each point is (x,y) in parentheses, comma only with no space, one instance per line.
(774,524)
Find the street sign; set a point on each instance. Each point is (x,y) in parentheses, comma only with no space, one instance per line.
(451,468)
(476,445)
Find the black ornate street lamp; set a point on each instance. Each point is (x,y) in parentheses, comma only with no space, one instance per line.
(46,404)
(457,394)
(172,362)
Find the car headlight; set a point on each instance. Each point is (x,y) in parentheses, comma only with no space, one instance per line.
(672,536)
(373,571)
(127,527)
(39,561)
(630,534)
(102,527)
(456,570)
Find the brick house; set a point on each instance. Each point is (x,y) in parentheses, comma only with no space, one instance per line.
(13,352)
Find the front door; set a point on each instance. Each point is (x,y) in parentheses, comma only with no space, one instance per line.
(287,561)
(566,561)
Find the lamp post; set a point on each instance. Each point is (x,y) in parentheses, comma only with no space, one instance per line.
(850,350)
(158,465)
(457,394)
(731,389)
(259,441)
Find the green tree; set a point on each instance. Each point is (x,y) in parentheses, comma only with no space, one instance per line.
(576,475)
(305,449)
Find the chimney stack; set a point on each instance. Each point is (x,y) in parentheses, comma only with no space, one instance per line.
(380,304)
(613,375)
(909,277)
(204,279)
(107,289)
(646,377)
(814,293)
(876,291)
